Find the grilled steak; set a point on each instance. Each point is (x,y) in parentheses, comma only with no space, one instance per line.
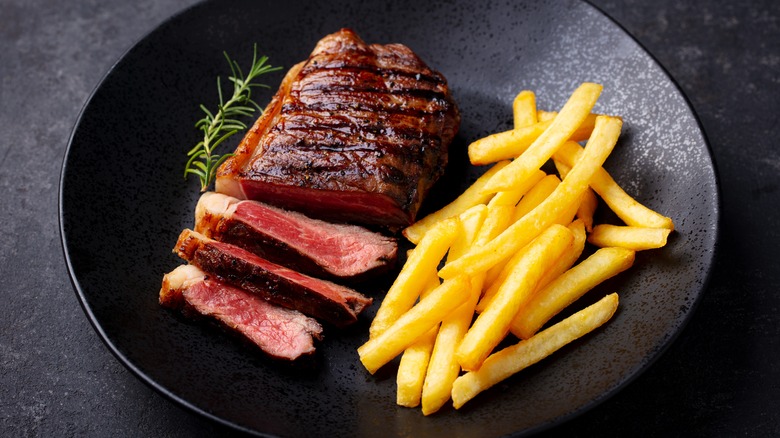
(311,246)
(321,299)
(356,133)
(279,332)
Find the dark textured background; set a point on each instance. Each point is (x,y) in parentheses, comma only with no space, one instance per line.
(718,379)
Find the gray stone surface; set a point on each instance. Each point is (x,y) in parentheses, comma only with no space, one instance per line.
(718,378)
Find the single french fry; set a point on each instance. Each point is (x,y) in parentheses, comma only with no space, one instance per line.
(492,324)
(472,196)
(412,369)
(570,257)
(407,286)
(628,209)
(512,197)
(635,238)
(544,116)
(524,109)
(506,268)
(569,287)
(513,359)
(505,145)
(497,219)
(571,116)
(588,208)
(563,263)
(535,196)
(414,361)
(471,221)
(583,132)
(568,193)
(414,323)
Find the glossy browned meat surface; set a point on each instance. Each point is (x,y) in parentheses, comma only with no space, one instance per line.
(357,133)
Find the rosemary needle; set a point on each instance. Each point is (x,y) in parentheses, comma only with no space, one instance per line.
(221,124)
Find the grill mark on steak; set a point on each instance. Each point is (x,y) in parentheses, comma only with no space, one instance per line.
(321,299)
(366,105)
(318,64)
(332,89)
(360,121)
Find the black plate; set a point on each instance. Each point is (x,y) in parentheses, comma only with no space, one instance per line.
(123,202)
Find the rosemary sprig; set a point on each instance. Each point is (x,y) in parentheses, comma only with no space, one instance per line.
(218,126)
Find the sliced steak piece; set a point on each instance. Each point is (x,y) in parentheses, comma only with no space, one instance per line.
(281,333)
(356,133)
(321,299)
(311,246)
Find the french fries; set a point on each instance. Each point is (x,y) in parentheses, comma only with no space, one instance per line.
(443,368)
(636,238)
(414,361)
(564,262)
(568,287)
(474,195)
(550,211)
(512,359)
(493,323)
(562,127)
(524,109)
(512,248)
(417,321)
(625,207)
(408,287)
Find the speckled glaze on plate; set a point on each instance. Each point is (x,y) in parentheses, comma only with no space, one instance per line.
(123,202)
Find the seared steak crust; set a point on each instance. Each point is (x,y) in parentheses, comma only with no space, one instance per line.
(357,132)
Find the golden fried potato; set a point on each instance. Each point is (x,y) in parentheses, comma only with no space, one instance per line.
(550,211)
(625,207)
(472,196)
(538,193)
(511,360)
(524,109)
(492,325)
(635,238)
(569,287)
(412,369)
(571,116)
(414,361)
(587,209)
(408,286)
(505,145)
(421,318)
